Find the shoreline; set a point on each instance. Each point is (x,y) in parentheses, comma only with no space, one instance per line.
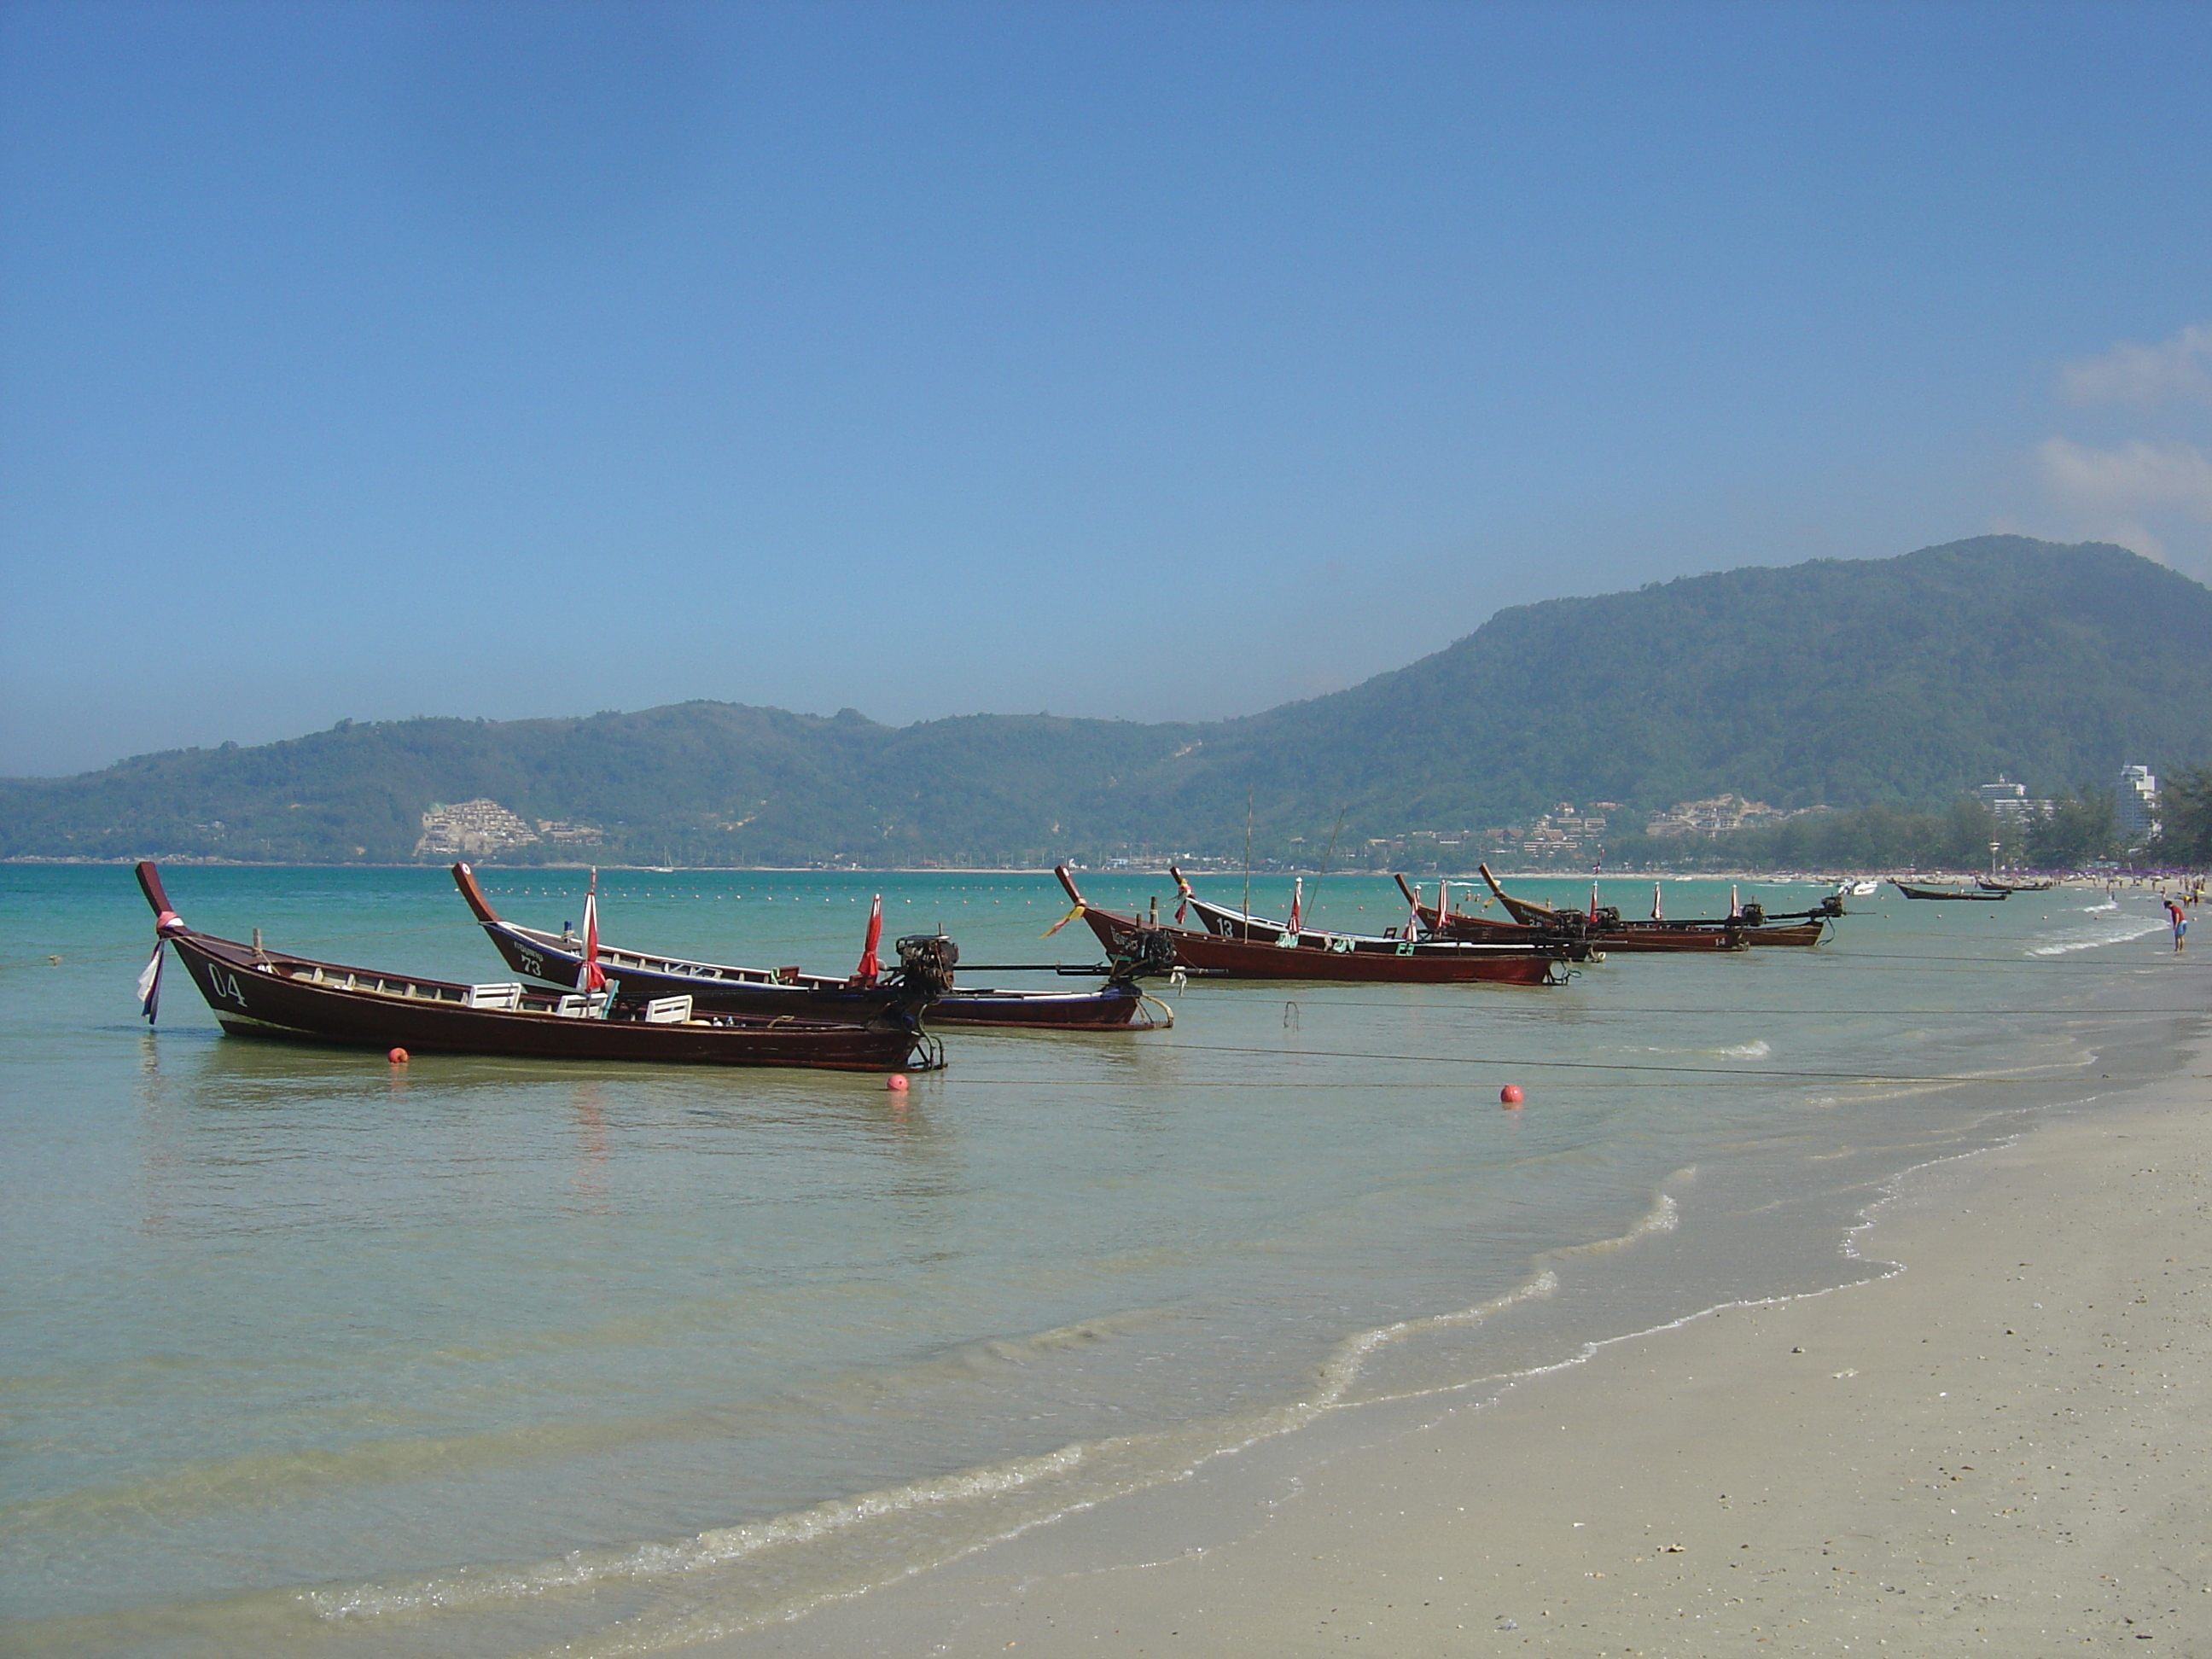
(1794,876)
(2001,1440)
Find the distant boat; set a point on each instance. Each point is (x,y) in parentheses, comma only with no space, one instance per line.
(1913,892)
(1233,944)
(1751,924)
(1541,923)
(2001,885)
(1862,889)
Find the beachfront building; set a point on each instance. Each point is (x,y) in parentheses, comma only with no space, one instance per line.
(2137,801)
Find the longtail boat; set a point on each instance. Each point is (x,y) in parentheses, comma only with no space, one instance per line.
(1554,924)
(2001,886)
(1751,924)
(922,983)
(1913,892)
(1234,946)
(257,992)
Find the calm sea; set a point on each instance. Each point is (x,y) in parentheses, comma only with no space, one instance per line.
(304,1353)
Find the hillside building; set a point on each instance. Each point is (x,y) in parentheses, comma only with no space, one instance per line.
(470,828)
(1716,817)
(1562,829)
(562,833)
(2008,800)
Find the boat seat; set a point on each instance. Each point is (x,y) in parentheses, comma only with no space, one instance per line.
(668,1011)
(507,998)
(581,1007)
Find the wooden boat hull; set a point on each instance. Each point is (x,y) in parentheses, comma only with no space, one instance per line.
(1118,1005)
(268,994)
(718,988)
(1257,954)
(1674,941)
(1798,934)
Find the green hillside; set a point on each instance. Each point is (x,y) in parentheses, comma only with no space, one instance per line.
(1845,683)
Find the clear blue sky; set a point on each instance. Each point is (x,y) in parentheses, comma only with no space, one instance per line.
(1151,361)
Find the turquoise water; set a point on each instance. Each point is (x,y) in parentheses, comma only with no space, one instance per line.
(303,1353)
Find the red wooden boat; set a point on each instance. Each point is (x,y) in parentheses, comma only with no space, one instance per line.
(1751,924)
(1232,945)
(922,984)
(1563,927)
(259,992)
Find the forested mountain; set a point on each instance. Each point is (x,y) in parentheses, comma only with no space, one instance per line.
(1843,683)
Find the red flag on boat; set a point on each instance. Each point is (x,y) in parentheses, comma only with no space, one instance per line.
(1298,904)
(870,967)
(594,977)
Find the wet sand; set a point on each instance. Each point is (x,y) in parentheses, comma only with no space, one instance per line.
(2006,1447)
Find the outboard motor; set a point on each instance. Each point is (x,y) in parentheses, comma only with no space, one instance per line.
(925,963)
(1147,950)
(1570,926)
(1754,915)
(1831,906)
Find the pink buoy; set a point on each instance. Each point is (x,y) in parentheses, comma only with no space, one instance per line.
(1510,1095)
(896,1082)
(398,1056)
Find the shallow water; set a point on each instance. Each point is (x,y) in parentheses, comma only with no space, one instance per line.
(474,1357)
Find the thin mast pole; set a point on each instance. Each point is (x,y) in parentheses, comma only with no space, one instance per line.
(1327,855)
(1248,860)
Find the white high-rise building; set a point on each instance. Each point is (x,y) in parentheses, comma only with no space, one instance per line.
(2137,804)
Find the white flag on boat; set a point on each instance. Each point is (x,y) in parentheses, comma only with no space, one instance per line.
(149,983)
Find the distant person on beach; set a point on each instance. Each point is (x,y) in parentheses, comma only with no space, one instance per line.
(2181,920)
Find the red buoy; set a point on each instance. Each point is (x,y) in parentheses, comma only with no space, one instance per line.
(398,1056)
(1509,1095)
(896,1082)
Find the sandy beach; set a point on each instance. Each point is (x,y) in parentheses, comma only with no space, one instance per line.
(2000,1447)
